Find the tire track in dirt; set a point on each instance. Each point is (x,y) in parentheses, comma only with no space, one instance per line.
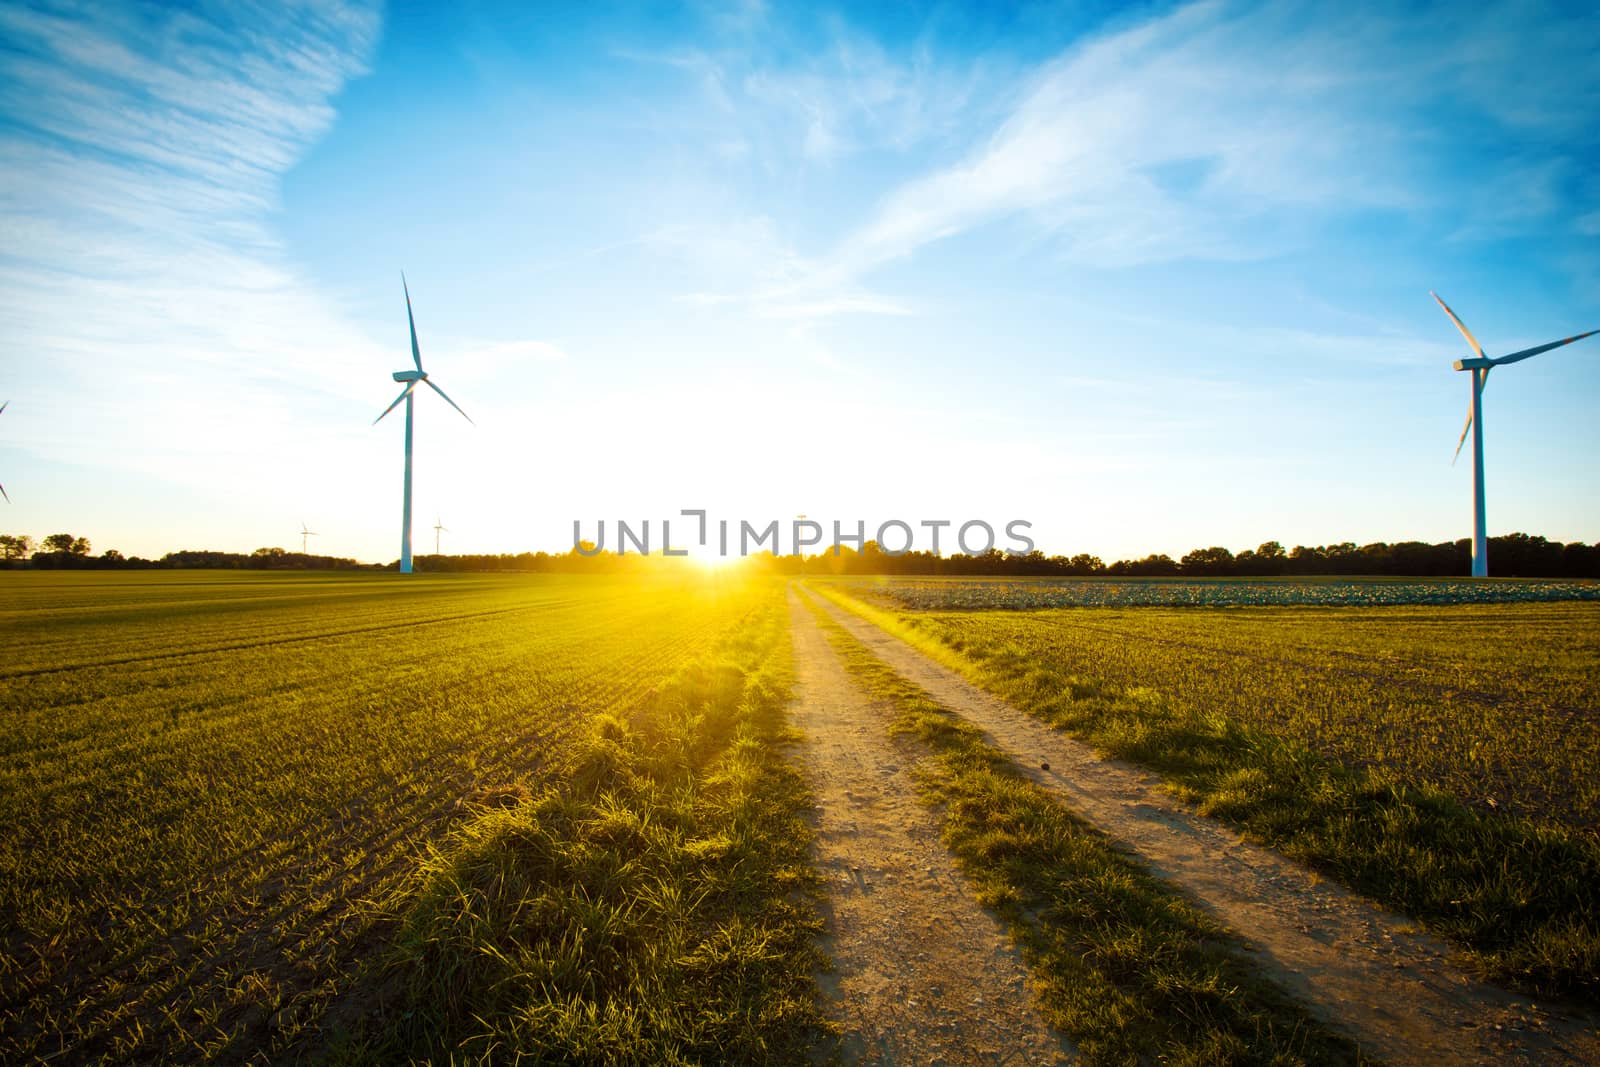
(1370,973)
(923,975)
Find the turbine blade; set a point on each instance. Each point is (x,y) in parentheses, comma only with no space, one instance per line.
(1482,385)
(403,394)
(1471,340)
(1527,352)
(447,399)
(5,494)
(1462,439)
(416,353)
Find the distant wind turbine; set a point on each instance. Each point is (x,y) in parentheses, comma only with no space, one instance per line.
(411,378)
(1480,367)
(438,527)
(305,533)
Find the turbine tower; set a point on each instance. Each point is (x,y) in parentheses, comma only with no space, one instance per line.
(1480,365)
(305,533)
(411,378)
(438,527)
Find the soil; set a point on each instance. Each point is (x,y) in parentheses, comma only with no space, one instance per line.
(1366,972)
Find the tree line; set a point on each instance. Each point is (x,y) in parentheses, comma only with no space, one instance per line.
(69,552)
(1516,555)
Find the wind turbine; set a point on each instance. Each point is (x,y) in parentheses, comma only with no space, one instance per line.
(411,378)
(305,533)
(1480,367)
(438,527)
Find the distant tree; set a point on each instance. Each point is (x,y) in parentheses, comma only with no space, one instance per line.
(66,545)
(1303,560)
(1214,561)
(1270,558)
(112,556)
(1152,566)
(1343,558)
(268,558)
(15,546)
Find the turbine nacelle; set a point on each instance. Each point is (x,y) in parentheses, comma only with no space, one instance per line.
(409,375)
(1460,364)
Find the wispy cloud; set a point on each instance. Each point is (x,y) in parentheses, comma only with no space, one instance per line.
(1227,131)
(780,102)
(787,101)
(143,152)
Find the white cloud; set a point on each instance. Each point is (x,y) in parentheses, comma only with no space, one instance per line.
(1229,131)
(141,274)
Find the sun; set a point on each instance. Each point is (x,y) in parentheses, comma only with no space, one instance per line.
(711,560)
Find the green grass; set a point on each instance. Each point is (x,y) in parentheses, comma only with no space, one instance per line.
(1127,968)
(653,904)
(1359,742)
(208,776)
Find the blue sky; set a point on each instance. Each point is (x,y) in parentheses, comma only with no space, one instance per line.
(1150,277)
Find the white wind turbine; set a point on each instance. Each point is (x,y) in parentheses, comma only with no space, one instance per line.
(411,378)
(1480,367)
(305,533)
(438,528)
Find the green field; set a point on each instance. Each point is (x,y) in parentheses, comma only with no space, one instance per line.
(369,819)
(1441,759)
(1495,704)
(211,781)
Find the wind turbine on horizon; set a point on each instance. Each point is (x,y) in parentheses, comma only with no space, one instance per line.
(305,533)
(411,378)
(1480,367)
(438,528)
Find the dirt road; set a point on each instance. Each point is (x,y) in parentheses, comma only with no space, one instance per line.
(923,975)
(1367,972)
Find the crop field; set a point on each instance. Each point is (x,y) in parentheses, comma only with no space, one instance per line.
(1031,594)
(355,818)
(1472,728)
(210,782)
(1499,705)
